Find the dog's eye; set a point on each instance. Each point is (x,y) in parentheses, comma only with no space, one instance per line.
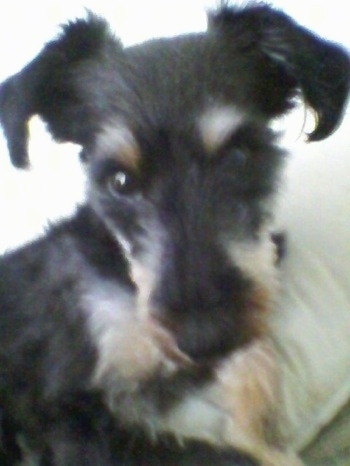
(121,182)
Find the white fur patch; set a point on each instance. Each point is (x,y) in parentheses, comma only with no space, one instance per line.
(197,417)
(217,124)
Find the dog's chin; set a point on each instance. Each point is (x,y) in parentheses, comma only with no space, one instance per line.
(147,402)
(140,369)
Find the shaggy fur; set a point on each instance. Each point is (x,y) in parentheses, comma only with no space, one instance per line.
(150,302)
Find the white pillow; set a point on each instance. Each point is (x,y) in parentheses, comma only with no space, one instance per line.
(312,325)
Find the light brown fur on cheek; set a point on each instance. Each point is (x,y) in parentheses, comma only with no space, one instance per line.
(257,262)
(260,303)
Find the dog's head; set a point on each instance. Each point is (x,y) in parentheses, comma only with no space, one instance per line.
(182,163)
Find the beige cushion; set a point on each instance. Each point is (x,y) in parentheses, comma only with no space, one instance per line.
(312,326)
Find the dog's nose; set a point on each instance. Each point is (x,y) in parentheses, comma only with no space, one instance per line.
(205,313)
(201,297)
(206,344)
(197,339)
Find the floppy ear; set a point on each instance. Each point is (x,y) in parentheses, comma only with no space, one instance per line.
(69,84)
(290,59)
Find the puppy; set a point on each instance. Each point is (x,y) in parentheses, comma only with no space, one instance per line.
(134,332)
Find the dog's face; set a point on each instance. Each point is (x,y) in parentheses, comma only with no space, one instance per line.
(190,206)
(181,162)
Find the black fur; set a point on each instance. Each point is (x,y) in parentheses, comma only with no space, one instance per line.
(162,205)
